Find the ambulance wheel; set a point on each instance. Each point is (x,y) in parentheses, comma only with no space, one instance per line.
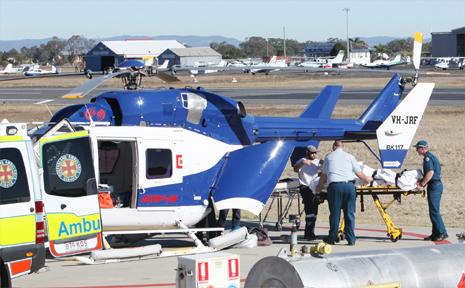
(5,280)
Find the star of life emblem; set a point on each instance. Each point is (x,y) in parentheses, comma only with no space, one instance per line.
(8,173)
(68,168)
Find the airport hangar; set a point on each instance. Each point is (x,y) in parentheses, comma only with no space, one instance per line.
(190,56)
(110,53)
(448,44)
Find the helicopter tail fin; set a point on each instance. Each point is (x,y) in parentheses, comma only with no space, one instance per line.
(383,105)
(320,108)
(323,105)
(396,133)
(249,175)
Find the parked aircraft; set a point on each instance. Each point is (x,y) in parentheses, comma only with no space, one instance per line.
(449,63)
(9,69)
(202,67)
(385,63)
(323,62)
(272,66)
(36,71)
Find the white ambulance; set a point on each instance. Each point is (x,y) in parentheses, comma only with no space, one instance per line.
(61,176)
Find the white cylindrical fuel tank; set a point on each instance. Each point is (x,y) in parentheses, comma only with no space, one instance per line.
(431,266)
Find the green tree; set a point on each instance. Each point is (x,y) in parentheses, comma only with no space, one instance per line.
(257,47)
(402,46)
(357,43)
(228,51)
(52,51)
(338,46)
(77,45)
(427,49)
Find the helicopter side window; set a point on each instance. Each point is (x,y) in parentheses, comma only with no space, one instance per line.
(158,163)
(195,104)
(13,179)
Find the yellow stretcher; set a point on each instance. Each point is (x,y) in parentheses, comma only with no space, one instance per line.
(393,232)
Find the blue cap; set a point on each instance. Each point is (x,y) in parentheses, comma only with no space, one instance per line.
(421,144)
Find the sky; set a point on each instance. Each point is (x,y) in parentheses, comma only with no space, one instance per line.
(303,19)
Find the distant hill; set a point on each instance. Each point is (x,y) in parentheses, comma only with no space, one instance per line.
(6,45)
(191,40)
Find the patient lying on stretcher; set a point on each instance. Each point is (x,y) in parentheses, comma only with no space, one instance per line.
(406,180)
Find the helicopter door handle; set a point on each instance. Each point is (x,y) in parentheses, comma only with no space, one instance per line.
(63,206)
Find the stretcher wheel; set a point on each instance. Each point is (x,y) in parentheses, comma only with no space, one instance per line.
(395,238)
(279,226)
(340,237)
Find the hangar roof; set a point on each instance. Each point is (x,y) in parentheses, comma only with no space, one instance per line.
(192,52)
(141,47)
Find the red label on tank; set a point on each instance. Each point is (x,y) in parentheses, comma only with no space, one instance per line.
(461,283)
(202,270)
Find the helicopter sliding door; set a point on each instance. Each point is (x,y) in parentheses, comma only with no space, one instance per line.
(160,174)
(117,170)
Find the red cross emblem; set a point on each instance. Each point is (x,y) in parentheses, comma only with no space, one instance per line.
(6,173)
(68,168)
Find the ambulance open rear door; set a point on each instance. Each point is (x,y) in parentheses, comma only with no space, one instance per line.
(71,198)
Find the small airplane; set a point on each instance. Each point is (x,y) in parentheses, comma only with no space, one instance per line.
(380,63)
(36,71)
(323,62)
(450,63)
(202,67)
(272,66)
(9,69)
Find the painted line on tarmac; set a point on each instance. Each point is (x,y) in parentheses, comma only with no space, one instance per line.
(44,101)
(21,93)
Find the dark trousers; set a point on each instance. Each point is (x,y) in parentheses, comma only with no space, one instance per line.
(341,195)
(311,210)
(434,202)
(236,218)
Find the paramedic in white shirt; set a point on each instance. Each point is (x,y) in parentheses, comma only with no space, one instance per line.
(308,169)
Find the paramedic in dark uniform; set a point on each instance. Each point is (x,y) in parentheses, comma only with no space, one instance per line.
(308,168)
(432,181)
(236,218)
(339,170)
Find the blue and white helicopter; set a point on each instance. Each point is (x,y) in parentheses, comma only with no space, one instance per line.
(170,155)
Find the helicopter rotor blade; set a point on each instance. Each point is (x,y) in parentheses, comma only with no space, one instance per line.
(84,89)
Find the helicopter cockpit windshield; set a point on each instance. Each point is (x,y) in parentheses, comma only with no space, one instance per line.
(195,104)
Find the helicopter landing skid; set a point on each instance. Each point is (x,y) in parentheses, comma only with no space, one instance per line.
(115,255)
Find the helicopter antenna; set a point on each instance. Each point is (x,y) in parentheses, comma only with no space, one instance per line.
(417,43)
(91,122)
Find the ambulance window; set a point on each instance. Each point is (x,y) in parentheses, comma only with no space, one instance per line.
(158,163)
(68,168)
(14,186)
